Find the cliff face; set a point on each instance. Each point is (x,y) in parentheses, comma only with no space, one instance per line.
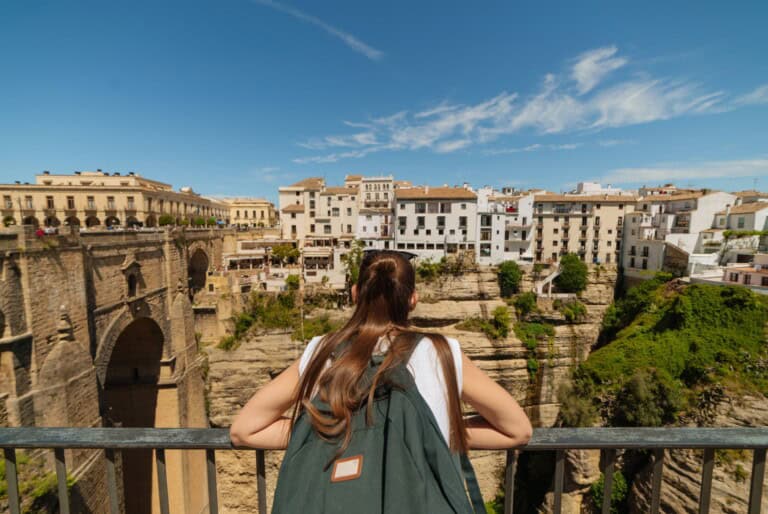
(235,375)
(681,481)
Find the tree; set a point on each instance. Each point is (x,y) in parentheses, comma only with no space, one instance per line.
(198,221)
(286,253)
(352,261)
(509,276)
(573,274)
(525,304)
(166,219)
(212,221)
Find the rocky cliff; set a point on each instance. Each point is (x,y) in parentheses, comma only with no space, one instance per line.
(445,302)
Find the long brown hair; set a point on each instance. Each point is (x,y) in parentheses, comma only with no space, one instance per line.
(385,286)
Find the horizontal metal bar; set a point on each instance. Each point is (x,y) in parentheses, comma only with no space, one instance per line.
(543,438)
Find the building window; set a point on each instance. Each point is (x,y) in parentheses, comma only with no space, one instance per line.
(349,229)
(70,202)
(92,204)
(132,285)
(421,208)
(335,211)
(8,202)
(632,262)
(463,207)
(326,229)
(645,251)
(401,222)
(402,208)
(445,208)
(747,279)
(49,202)
(740,222)
(462,222)
(645,263)
(349,211)
(733,277)
(312,229)
(293,215)
(28,202)
(111,202)
(441,222)
(131,205)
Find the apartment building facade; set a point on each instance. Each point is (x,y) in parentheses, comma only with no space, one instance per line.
(590,226)
(376,201)
(434,222)
(250,212)
(317,215)
(504,226)
(666,230)
(97,199)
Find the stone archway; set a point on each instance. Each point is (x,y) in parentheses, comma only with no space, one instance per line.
(72,221)
(131,222)
(150,221)
(198,270)
(52,221)
(31,220)
(92,221)
(112,221)
(131,399)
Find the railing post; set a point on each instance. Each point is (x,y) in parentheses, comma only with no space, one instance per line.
(708,465)
(213,498)
(758,476)
(12,478)
(658,471)
(610,459)
(61,478)
(559,479)
(509,481)
(114,503)
(261,481)
(162,480)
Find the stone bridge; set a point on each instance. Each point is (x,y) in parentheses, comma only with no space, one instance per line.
(97,329)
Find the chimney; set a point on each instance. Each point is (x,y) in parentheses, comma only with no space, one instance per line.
(426,190)
(77,173)
(46,172)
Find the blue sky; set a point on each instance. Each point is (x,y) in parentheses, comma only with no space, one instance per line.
(236,97)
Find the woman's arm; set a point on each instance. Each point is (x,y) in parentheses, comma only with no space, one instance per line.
(502,422)
(260,423)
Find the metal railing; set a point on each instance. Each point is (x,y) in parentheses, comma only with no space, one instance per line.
(559,440)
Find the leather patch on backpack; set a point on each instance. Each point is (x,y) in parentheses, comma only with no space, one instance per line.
(347,469)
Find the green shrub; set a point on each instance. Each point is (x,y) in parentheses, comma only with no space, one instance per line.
(649,398)
(497,327)
(525,304)
(533,366)
(573,310)
(228,343)
(352,261)
(212,221)
(314,327)
(509,276)
(185,222)
(292,282)
(530,333)
(618,492)
(576,407)
(165,220)
(428,270)
(636,300)
(198,221)
(573,274)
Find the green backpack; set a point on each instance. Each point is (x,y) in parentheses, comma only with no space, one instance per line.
(400,464)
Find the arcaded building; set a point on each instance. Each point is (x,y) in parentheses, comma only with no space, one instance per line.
(95,199)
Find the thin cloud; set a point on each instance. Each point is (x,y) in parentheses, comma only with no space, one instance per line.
(703,170)
(608,143)
(533,148)
(577,100)
(758,96)
(347,38)
(592,66)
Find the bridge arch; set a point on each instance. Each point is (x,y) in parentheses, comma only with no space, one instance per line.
(198,269)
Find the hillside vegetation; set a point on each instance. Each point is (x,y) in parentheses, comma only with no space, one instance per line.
(665,346)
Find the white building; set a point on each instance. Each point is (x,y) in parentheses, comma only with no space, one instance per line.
(505,223)
(434,222)
(669,231)
(595,188)
(375,207)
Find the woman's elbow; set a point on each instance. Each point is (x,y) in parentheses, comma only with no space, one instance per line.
(521,433)
(236,434)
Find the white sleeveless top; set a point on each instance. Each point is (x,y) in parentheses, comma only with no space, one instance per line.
(427,373)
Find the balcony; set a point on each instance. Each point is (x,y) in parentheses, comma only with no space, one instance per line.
(559,440)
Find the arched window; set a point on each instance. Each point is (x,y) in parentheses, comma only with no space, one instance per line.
(132,285)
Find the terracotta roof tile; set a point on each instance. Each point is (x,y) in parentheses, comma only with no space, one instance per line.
(294,208)
(585,198)
(435,193)
(748,208)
